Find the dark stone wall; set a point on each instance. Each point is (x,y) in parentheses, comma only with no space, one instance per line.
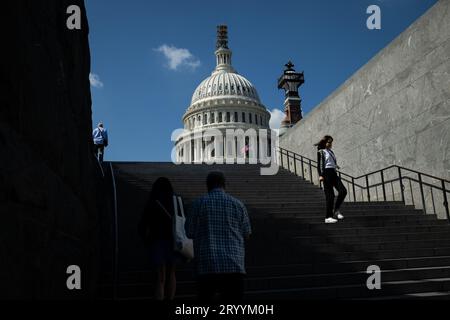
(49,179)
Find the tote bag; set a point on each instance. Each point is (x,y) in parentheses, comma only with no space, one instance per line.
(182,243)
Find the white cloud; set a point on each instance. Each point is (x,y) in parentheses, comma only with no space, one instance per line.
(276,115)
(177,57)
(94,79)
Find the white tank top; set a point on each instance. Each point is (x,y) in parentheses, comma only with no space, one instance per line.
(330,160)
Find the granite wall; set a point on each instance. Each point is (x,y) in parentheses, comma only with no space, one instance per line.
(393,110)
(49,179)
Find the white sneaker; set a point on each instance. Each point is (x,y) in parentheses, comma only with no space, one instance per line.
(338,215)
(330,220)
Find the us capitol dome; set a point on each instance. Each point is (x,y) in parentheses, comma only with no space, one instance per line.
(224,100)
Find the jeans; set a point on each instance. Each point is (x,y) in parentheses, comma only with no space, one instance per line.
(330,180)
(99,150)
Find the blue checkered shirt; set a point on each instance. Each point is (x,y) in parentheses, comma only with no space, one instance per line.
(218,223)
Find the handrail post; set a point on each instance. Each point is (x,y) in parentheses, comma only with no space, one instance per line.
(354,191)
(281,155)
(274,154)
(310,172)
(445,200)
(421,193)
(393,193)
(288,160)
(368,189)
(382,184)
(295,164)
(402,188)
(277,155)
(412,193)
(432,200)
(303,169)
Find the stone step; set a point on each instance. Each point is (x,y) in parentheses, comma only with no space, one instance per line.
(355,220)
(268,223)
(297,246)
(319,229)
(342,228)
(293,292)
(422,296)
(294,193)
(313,216)
(321,205)
(320,280)
(306,211)
(186,272)
(200,179)
(332,255)
(344,292)
(308,219)
(355,238)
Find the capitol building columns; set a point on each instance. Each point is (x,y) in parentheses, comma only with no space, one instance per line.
(223,146)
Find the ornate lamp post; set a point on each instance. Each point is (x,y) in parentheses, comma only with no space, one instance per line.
(290,81)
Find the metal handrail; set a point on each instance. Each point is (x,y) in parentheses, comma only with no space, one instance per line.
(116,238)
(366,186)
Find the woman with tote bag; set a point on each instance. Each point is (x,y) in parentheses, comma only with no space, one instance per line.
(156,228)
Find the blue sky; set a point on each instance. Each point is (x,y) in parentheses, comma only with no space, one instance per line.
(141,95)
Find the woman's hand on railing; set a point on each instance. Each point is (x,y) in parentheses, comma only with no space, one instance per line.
(320,178)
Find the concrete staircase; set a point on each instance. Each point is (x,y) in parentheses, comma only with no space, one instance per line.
(292,253)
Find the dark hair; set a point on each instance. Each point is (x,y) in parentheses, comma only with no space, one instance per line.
(162,191)
(322,143)
(215,179)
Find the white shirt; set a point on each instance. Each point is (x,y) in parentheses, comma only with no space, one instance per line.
(330,160)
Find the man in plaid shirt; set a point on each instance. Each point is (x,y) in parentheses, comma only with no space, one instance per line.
(218,223)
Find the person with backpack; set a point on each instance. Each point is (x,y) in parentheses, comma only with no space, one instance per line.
(155,227)
(100,137)
(326,167)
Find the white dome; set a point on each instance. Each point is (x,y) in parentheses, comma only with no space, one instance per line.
(223,101)
(225,98)
(225,83)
